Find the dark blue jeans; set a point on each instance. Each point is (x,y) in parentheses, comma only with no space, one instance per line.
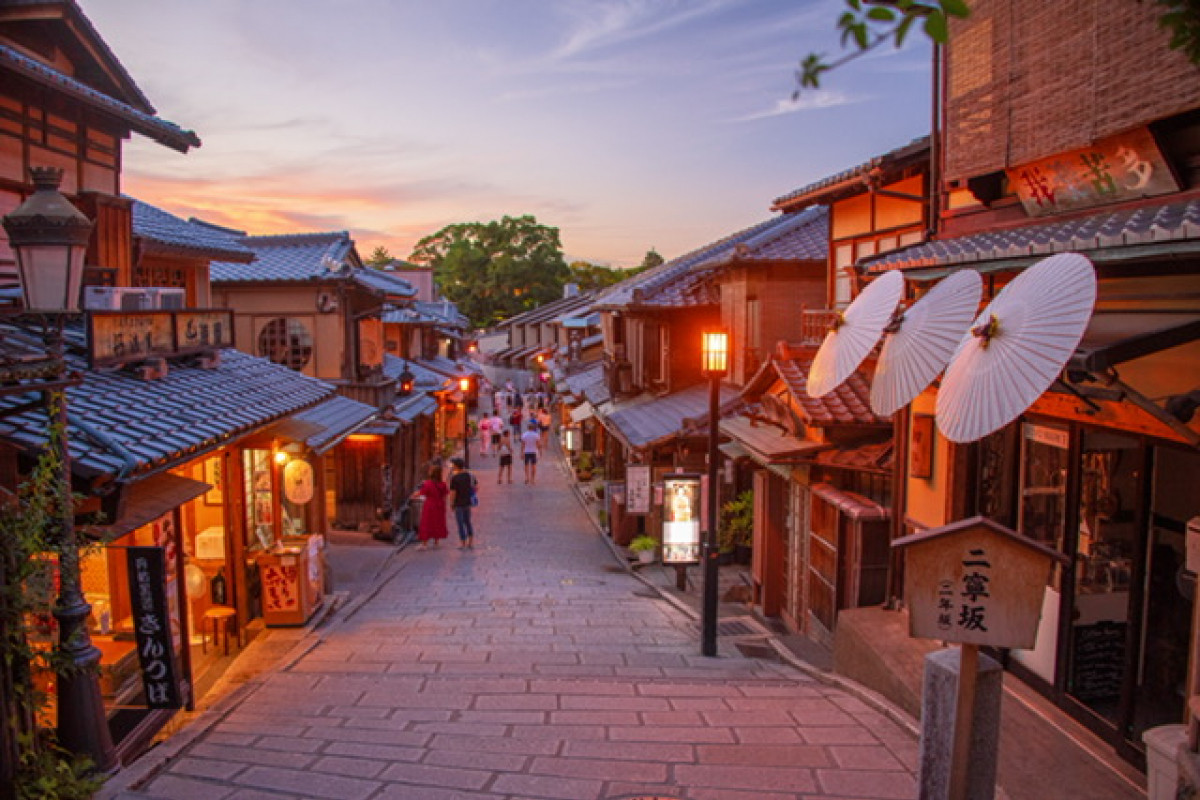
(462,515)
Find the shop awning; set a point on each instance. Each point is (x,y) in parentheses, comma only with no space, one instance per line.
(583,411)
(1114,337)
(767,444)
(325,425)
(852,505)
(146,500)
(733,450)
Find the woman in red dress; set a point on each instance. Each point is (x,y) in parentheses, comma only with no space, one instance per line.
(432,525)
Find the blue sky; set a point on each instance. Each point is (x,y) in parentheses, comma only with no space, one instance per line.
(627,124)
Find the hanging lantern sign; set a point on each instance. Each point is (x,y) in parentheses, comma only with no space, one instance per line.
(681,519)
(298,481)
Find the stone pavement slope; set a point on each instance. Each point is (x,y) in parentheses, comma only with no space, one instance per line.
(533,666)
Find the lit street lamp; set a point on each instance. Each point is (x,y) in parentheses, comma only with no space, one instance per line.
(464,385)
(49,237)
(714,353)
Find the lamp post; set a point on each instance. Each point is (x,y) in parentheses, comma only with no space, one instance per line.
(49,237)
(464,385)
(406,381)
(714,353)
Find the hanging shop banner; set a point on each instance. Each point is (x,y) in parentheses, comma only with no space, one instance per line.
(152,626)
(681,519)
(637,489)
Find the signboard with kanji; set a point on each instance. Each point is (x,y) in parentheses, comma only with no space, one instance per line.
(126,337)
(637,489)
(1118,168)
(681,519)
(152,626)
(975,582)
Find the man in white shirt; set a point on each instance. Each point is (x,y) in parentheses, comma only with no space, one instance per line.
(531,446)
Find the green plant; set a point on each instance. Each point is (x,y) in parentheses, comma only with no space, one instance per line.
(643,543)
(585,462)
(33,766)
(736,526)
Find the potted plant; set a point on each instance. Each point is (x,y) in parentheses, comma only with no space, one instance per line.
(585,467)
(645,547)
(735,533)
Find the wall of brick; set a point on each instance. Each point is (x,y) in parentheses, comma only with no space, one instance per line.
(1026,79)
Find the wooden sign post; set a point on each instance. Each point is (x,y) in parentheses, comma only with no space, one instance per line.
(976,583)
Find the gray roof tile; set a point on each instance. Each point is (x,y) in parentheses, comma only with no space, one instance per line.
(289,258)
(166,231)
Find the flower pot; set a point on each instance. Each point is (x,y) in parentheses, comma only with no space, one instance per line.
(646,556)
(743,554)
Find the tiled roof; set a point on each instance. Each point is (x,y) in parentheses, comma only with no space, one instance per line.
(337,417)
(23,357)
(160,130)
(383,282)
(577,383)
(803,236)
(644,422)
(913,151)
(547,311)
(164,232)
(848,404)
(291,257)
(443,311)
(1105,236)
(122,425)
(423,377)
(876,456)
(675,283)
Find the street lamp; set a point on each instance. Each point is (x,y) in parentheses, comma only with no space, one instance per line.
(49,237)
(464,385)
(406,381)
(714,362)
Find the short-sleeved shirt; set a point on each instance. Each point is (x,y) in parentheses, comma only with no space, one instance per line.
(529,441)
(461,484)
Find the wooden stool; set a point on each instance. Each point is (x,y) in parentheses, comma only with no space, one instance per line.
(222,617)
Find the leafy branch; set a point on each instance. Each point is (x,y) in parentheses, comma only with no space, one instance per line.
(866,24)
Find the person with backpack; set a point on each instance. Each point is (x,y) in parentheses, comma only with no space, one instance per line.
(463,487)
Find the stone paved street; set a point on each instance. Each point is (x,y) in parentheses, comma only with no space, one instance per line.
(534,666)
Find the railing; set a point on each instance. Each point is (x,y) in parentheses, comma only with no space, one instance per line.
(814,324)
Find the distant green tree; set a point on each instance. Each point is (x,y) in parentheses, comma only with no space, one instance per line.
(590,276)
(651,260)
(495,270)
(380,258)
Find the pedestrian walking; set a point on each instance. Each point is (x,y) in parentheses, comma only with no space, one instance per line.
(514,420)
(496,426)
(531,445)
(485,435)
(543,422)
(505,450)
(462,487)
(432,527)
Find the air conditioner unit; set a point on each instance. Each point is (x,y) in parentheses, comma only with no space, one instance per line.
(116,298)
(167,297)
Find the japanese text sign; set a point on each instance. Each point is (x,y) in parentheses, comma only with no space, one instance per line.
(119,337)
(1121,167)
(152,626)
(975,582)
(637,489)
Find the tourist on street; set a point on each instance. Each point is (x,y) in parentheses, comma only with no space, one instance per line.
(531,445)
(462,486)
(496,427)
(485,434)
(543,422)
(515,421)
(432,527)
(505,451)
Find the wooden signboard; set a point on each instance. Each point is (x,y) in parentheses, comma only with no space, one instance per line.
(637,489)
(125,337)
(1123,167)
(975,582)
(681,519)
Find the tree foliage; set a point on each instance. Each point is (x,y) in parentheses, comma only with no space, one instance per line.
(380,258)
(495,270)
(867,24)
(590,276)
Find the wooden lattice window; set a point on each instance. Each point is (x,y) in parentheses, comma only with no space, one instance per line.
(159,276)
(286,341)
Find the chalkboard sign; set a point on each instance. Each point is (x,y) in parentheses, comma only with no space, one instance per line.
(1098,661)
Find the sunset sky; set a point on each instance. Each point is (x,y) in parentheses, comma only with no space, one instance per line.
(627,124)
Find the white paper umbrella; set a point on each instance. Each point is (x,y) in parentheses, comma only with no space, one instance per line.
(1017,347)
(856,331)
(927,336)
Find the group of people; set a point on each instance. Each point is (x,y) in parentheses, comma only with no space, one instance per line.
(495,437)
